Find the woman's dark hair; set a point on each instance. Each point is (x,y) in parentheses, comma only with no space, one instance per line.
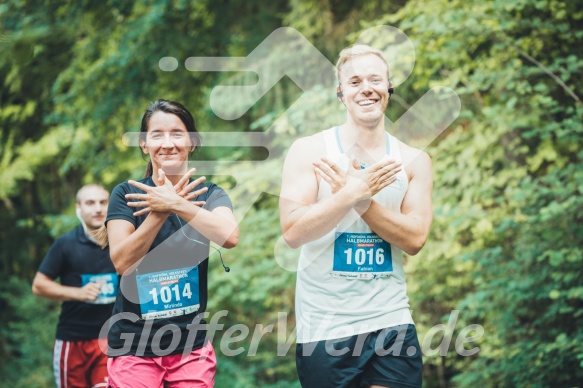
(176,109)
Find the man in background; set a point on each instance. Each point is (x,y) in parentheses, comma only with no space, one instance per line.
(88,287)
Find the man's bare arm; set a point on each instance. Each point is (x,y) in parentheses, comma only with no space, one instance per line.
(302,218)
(409,228)
(44,286)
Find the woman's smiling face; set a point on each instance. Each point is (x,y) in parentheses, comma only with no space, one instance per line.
(168,143)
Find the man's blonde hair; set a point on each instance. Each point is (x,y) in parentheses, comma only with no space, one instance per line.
(357,50)
(82,190)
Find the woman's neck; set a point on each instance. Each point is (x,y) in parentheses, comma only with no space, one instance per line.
(172,178)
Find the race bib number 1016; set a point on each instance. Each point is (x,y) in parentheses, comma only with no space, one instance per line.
(361,256)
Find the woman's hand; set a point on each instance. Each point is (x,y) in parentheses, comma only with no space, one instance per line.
(164,197)
(183,189)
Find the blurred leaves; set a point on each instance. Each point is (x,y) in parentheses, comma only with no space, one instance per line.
(505,247)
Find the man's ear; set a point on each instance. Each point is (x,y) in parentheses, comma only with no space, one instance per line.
(339,94)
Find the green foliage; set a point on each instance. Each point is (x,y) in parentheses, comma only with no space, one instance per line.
(254,294)
(505,247)
(27,337)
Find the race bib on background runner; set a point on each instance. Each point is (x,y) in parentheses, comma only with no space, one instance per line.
(361,256)
(109,285)
(168,293)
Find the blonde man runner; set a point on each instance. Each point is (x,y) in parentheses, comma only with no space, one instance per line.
(353,197)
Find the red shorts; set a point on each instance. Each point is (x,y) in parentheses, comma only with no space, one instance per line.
(80,363)
(196,370)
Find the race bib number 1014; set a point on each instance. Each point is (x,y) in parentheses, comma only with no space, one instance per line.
(170,293)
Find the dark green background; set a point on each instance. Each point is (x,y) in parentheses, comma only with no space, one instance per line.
(506,243)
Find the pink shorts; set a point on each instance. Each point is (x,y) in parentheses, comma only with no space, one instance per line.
(196,370)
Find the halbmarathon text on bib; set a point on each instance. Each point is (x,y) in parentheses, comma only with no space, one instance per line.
(169,293)
(109,285)
(361,256)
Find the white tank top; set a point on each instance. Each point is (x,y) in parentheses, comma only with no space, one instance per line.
(350,281)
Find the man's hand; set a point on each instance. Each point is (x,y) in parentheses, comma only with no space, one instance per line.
(369,181)
(331,173)
(365,182)
(90,292)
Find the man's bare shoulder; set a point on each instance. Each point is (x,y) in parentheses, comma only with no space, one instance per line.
(414,159)
(308,149)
